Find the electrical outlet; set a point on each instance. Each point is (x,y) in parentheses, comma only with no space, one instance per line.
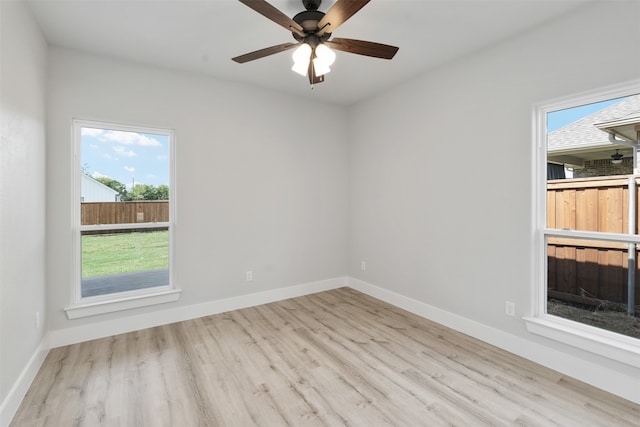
(249,276)
(363,265)
(510,308)
(37,320)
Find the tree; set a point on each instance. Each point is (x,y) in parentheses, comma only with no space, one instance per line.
(148,192)
(138,192)
(163,192)
(116,185)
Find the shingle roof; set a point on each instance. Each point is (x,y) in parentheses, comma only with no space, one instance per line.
(583,134)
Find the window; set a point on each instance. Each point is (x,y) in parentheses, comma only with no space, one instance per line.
(123,217)
(587,222)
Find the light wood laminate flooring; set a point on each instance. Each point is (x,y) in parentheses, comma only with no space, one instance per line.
(328,359)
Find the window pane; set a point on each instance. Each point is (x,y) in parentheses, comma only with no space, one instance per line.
(124,177)
(124,186)
(124,261)
(590,165)
(588,282)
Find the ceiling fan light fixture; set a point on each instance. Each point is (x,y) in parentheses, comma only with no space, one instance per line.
(300,68)
(311,28)
(320,67)
(301,57)
(616,159)
(324,58)
(325,55)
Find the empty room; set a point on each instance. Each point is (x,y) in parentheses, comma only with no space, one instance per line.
(304,212)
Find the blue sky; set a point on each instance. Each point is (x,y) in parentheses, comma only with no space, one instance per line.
(558,119)
(125,156)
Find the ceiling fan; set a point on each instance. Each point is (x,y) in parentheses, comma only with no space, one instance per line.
(312,30)
(616,159)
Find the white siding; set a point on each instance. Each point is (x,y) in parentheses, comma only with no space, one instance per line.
(95,191)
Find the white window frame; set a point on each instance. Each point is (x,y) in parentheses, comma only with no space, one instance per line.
(100,304)
(591,339)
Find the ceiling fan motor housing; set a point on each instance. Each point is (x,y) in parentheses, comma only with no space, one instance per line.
(308,20)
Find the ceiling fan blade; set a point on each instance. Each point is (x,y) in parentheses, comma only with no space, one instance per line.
(361,47)
(339,12)
(313,79)
(263,52)
(269,11)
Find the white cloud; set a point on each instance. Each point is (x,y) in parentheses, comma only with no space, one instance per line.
(121,137)
(97,175)
(91,132)
(130,138)
(129,169)
(123,151)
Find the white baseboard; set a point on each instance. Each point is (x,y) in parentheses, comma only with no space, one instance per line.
(61,337)
(600,376)
(12,402)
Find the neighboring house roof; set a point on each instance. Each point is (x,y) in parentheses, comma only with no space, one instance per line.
(625,127)
(584,135)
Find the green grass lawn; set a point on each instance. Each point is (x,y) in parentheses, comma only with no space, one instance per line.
(124,252)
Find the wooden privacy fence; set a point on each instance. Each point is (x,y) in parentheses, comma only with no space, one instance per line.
(589,271)
(92,213)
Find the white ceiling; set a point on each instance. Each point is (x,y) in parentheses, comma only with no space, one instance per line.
(202,36)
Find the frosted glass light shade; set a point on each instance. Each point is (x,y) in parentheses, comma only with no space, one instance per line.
(324,58)
(320,67)
(301,57)
(300,68)
(325,55)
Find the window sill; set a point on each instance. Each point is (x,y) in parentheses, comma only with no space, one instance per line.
(125,302)
(616,347)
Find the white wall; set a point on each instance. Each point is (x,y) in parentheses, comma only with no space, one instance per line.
(259,189)
(260,183)
(22,200)
(457,235)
